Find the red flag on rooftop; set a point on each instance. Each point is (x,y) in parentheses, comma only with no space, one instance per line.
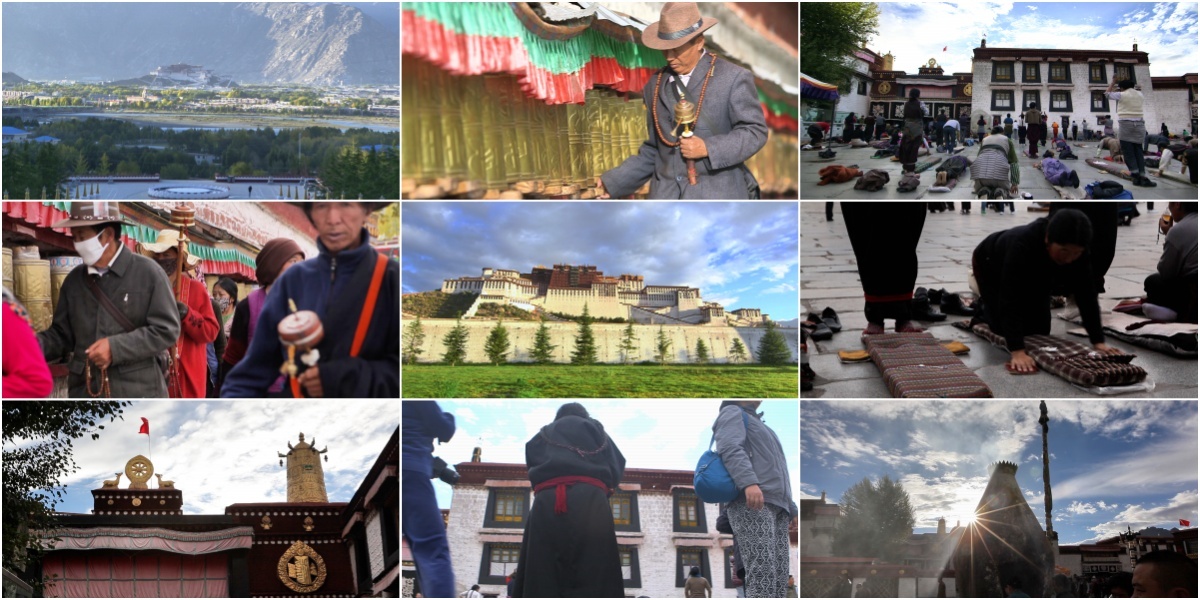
(145,426)
(1185,522)
(944,48)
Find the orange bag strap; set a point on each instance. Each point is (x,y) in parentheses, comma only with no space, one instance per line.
(368,311)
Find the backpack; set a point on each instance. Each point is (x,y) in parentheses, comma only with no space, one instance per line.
(712,481)
(1107,190)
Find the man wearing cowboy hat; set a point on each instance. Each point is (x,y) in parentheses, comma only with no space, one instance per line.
(199,324)
(729,127)
(336,285)
(88,335)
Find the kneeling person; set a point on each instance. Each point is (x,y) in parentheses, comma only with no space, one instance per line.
(1171,291)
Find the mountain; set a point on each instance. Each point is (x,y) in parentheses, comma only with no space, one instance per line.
(13,79)
(254,42)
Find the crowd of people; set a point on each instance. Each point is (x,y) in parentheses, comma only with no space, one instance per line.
(144,325)
(569,546)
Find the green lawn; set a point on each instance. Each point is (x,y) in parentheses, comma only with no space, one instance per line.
(598,381)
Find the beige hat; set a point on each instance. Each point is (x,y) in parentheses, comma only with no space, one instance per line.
(167,239)
(91,213)
(678,23)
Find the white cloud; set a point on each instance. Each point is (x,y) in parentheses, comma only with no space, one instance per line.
(1167,515)
(1081,508)
(1031,7)
(1158,466)
(780,289)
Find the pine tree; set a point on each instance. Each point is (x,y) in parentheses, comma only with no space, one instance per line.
(772,348)
(81,165)
(543,350)
(585,341)
(414,338)
(456,343)
(629,346)
(737,353)
(701,352)
(497,344)
(104,164)
(662,348)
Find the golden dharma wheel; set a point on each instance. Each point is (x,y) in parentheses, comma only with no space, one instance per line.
(139,469)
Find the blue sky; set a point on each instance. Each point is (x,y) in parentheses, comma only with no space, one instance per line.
(224,452)
(1114,463)
(741,254)
(651,434)
(916,32)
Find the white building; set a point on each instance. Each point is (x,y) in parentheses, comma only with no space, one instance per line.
(371,527)
(662,530)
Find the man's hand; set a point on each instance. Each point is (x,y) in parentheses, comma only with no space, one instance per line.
(601,193)
(1106,349)
(311,381)
(183,309)
(99,353)
(693,148)
(754,497)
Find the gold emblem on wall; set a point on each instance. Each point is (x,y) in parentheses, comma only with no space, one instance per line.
(266,522)
(137,501)
(138,470)
(301,569)
(967,89)
(308,524)
(885,88)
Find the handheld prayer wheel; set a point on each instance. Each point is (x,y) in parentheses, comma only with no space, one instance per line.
(300,331)
(685,117)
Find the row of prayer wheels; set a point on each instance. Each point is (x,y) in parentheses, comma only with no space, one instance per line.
(36,282)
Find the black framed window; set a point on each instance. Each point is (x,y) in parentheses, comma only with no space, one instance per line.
(1031,72)
(625,511)
(689,512)
(499,560)
(507,507)
(1060,101)
(685,559)
(1029,96)
(1099,102)
(631,571)
(729,565)
(1002,71)
(862,88)
(1060,72)
(1097,73)
(1122,72)
(1002,100)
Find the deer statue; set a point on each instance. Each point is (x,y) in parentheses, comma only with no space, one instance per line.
(164,484)
(111,483)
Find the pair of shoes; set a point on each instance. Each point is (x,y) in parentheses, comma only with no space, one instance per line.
(1143,181)
(828,319)
(817,329)
(950,303)
(923,307)
(807,376)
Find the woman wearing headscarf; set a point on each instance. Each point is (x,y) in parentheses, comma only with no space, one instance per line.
(274,258)
(763,508)
(569,548)
(914,130)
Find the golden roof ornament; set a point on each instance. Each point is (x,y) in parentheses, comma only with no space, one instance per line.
(305,477)
(138,470)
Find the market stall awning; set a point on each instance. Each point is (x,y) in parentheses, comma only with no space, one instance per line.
(815,89)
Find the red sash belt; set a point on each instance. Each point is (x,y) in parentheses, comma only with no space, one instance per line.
(560,489)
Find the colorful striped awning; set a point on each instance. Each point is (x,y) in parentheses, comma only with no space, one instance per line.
(815,89)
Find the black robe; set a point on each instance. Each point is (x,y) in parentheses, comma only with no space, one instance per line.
(572,555)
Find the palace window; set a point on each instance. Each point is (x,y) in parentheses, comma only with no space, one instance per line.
(1060,72)
(1124,72)
(685,559)
(1099,102)
(862,88)
(1028,97)
(631,571)
(507,507)
(1002,71)
(499,560)
(1031,73)
(1002,100)
(1060,100)
(689,512)
(1097,73)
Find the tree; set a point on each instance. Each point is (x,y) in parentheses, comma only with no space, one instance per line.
(831,31)
(241,168)
(81,165)
(772,348)
(701,352)
(497,344)
(629,346)
(173,171)
(38,453)
(414,338)
(737,352)
(128,167)
(662,348)
(104,164)
(456,343)
(543,350)
(877,519)
(585,341)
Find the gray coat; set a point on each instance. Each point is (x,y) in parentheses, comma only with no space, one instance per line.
(753,455)
(140,288)
(731,123)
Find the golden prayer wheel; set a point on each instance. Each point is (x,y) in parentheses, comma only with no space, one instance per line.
(31,284)
(8,268)
(60,267)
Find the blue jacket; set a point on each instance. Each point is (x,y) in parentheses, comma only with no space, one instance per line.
(423,421)
(328,286)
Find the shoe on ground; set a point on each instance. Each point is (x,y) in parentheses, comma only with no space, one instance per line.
(952,304)
(830,318)
(820,331)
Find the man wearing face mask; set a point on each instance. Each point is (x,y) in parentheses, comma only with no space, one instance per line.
(198,323)
(115,313)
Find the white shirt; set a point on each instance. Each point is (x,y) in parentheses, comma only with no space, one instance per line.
(102,270)
(688,76)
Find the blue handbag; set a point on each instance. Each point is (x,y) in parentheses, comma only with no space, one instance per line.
(712,481)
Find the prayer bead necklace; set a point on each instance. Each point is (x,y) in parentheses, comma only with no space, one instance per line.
(699,105)
(105,389)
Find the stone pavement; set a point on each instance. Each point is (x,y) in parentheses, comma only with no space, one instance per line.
(829,277)
(1032,180)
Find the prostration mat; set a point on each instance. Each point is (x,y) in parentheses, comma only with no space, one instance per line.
(1176,339)
(915,365)
(1077,363)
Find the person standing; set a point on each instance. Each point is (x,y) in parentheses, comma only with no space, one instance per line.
(1165,132)
(914,130)
(848,127)
(1087,133)
(1075,131)
(980,128)
(1008,125)
(421,522)
(1108,125)
(360,353)
(964,126)
(884,236)
(761,512)
(1054,127)
(730,126)
(950,134)
(569,547)
(939,125)
(696,586)
(1034,117)
(1132,132)
(869,128)
(1021,131)
(26,374)
(102,349)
